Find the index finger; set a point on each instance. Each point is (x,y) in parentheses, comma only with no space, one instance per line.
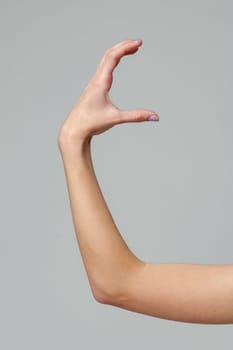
(104,73)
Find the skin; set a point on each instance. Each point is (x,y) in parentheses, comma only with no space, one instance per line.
(196,293)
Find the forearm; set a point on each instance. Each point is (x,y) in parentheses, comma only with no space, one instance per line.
(106,257)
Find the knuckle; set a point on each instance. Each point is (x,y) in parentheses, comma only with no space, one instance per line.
(111,54)
(140,118)
(107,52)
(111,51)
(127,41)
(94,83)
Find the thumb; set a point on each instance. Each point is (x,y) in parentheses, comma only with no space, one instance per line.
(138,115)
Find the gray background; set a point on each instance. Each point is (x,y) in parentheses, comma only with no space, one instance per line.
(167,184)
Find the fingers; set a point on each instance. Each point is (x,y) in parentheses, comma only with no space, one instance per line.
(104,73)
(137,115)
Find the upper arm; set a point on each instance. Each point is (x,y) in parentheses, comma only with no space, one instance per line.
(195,293)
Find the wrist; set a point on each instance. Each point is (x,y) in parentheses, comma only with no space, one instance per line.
(68,142)
(74,150)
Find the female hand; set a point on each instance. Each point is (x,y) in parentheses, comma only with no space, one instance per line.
(95,113)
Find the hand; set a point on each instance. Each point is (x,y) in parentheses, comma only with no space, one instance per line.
(95,113)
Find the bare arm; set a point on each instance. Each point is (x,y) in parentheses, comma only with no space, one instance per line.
(183,292)
(106,257)
(195,293)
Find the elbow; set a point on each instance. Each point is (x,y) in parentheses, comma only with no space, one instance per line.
(109,295)
(118,291)
(102,294)
(103,297)
(112,297)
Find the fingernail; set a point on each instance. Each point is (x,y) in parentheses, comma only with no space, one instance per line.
(153,117)
(137,39)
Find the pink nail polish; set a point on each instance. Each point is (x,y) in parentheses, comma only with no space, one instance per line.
(153,117)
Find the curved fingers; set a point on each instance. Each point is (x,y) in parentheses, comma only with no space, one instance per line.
(112,56)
